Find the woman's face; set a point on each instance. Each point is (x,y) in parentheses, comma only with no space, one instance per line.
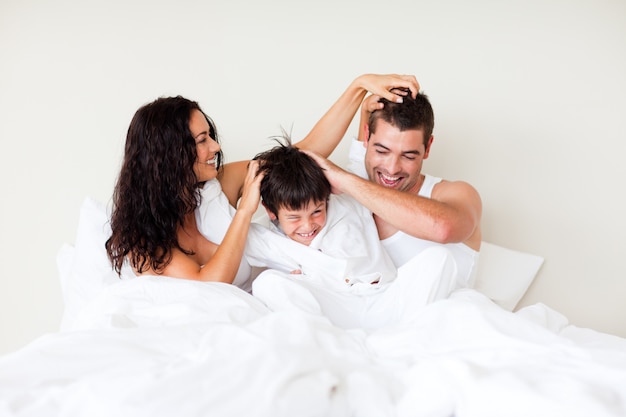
(207,148)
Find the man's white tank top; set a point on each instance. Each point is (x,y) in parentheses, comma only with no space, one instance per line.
(402,247)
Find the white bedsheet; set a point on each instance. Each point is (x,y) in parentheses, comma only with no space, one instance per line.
(156,346)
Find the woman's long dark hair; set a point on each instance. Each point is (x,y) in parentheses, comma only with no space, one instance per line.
(157,185)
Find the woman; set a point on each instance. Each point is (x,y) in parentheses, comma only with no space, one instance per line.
(174,205)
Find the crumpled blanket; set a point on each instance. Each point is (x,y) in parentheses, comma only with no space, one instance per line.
(158,346)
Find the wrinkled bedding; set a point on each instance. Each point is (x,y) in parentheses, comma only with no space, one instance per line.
(157,346)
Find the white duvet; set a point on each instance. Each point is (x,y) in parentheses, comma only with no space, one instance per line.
(155,346)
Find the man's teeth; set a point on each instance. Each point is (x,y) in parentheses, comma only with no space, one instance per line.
(387,178)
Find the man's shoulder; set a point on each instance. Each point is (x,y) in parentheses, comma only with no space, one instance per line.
(454,184)
(456,190)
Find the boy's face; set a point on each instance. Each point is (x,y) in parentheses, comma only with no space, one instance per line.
(304,224)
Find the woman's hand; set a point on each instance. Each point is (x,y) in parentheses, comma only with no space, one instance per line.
(251,194)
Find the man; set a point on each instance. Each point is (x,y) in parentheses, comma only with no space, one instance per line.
(413,211)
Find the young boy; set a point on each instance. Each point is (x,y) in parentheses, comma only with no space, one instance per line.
(324,255)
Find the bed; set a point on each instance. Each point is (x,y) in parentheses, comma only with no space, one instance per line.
(158,346)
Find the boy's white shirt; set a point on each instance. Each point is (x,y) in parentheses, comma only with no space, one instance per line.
(345,254)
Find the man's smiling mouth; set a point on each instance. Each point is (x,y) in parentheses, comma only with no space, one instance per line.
(388,180)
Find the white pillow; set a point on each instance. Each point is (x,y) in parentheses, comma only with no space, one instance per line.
(504,275)
(85,268)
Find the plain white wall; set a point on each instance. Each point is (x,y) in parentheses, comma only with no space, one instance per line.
(528,97)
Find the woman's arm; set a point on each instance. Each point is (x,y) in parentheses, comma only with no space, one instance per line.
(224,263)
(232,179)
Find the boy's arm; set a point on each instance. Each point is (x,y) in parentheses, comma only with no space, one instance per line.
(370,105)
(330,129)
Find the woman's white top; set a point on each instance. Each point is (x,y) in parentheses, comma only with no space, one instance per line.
(213,217)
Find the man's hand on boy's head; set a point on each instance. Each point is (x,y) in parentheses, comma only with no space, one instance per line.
(332,172)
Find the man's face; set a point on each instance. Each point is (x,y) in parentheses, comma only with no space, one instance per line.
(302,225)
(394,159)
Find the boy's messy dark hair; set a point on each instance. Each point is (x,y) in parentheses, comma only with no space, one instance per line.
(292,178)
